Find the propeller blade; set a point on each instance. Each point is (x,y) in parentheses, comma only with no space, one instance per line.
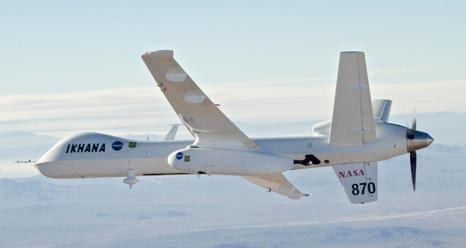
(414,123)
(413,162)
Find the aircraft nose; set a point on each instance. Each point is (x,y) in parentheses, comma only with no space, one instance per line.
(416,140)
(44,169)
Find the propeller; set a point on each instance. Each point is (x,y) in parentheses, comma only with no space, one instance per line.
(413,162)
(415,140)
(412,154)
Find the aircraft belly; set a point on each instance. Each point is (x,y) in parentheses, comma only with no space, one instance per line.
(105,168)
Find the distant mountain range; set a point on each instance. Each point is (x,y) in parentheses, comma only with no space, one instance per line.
(225,212)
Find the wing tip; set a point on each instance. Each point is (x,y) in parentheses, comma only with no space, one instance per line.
(351,52)
(298,195)
(159,54)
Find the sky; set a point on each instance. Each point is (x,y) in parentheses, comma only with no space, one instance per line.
(75,65)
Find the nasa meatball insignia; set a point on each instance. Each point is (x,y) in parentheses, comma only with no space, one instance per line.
(117,145)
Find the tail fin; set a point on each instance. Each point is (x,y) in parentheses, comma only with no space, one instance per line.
(381,109)
(353,120)
(359,181)
(172,133)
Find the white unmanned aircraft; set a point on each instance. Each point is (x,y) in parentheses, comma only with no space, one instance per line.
(358,136)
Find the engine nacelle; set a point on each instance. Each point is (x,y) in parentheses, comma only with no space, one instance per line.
(227,162)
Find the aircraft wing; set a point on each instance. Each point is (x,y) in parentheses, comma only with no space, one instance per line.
(359,181)
(211,128)
(277,183)
(352,121)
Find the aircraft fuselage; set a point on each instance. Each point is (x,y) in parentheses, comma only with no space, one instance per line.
(98,155)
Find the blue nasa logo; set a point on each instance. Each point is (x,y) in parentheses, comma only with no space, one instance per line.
(117,145)
(179,155)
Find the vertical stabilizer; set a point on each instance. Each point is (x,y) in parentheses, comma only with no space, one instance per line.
(359,181)
(382,109)
(172,133)
(352,121)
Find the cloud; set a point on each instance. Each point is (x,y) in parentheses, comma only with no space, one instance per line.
(144,109)
(435,96)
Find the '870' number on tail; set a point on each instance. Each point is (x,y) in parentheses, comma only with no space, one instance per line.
(360,188)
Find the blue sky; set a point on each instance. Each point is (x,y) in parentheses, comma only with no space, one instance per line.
(64,46)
